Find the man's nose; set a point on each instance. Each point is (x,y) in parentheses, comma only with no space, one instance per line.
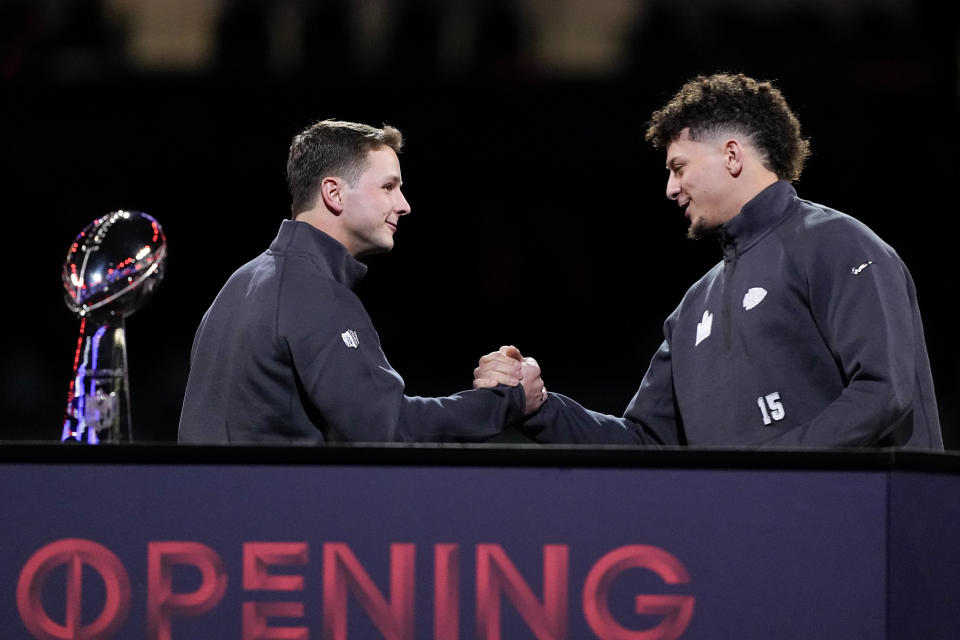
(673,188)
(403,207)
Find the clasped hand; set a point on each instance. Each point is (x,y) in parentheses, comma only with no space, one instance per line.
(507,366)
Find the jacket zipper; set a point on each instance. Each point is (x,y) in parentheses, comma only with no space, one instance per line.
(730,262)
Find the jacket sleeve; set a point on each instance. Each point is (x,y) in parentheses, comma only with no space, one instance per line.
(861,299)
(353,391)
(649,419)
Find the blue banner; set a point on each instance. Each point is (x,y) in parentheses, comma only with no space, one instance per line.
(165,551)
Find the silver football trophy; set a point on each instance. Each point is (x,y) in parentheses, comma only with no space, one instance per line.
(112,269)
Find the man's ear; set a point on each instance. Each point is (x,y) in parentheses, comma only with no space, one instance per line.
(733,153)
(330,191)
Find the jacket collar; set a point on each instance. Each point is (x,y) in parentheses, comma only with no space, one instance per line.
(757,218)
(301,237)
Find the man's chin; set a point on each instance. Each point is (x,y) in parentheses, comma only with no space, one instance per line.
(374,250)
(699,229)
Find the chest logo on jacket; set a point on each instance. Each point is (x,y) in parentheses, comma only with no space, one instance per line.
(350,338)
(754,296)
(703,327)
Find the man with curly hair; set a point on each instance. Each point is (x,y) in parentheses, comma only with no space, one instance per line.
(806,334)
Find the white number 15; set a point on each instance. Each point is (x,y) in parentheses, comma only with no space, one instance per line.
(771,408)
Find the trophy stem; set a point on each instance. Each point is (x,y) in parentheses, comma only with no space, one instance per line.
(98,402)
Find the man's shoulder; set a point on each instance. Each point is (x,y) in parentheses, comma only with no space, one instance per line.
(820,238)
(272,277)
(815,218)
(817,226)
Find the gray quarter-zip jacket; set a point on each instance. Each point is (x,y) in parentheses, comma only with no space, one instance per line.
(806,334)
(287,354)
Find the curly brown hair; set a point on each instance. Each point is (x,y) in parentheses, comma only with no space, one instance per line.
(708,105)
(332,147)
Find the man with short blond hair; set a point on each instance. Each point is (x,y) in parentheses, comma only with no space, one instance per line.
(287,353)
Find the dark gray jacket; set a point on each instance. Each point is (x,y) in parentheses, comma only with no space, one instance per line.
(807,334)
(287,353)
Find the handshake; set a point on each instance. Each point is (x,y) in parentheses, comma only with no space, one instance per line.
(507,366)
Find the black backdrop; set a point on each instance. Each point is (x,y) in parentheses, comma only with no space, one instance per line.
(538,211)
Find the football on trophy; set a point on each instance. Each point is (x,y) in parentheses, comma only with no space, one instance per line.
(114,264)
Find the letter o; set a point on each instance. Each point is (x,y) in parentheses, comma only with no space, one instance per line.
(73,553)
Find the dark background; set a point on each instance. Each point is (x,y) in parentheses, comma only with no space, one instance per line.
(538,211)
